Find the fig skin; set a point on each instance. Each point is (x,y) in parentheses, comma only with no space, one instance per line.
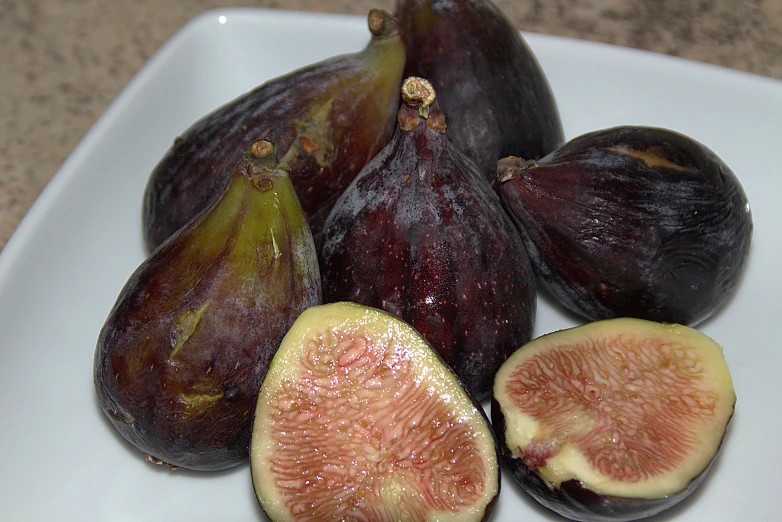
(488,81)
(573,499)
(409,405)
(631,222)
(421,234)
(327,120)
(182,354)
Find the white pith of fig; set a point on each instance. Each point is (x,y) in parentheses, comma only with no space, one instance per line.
(621,409)
(358,418)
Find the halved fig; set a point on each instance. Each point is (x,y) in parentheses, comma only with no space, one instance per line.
(614,420)
(358,418)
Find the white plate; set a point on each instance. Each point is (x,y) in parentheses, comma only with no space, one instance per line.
(65,265)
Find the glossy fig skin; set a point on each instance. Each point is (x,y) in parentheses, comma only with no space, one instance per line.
(488,81)
(632,222)
(327,120)
(575,502)
(184,350)
(421,234)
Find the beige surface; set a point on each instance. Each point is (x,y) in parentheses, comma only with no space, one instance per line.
(63,61)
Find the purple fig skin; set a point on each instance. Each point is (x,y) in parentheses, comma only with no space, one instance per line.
(421,234)
(184,350)
(631,222)
(488,81)
(575,502)
(327,120)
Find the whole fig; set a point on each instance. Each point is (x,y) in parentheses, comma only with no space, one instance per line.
(327,120)
(421,234)
(183,352)
(488,81)
(632,221)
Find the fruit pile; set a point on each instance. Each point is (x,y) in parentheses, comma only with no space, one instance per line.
(336,279)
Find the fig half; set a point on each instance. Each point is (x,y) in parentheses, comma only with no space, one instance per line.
(614,420)
(358,418)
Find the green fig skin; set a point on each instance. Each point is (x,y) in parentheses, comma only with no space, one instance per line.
(421,234)
(488,81)
(327,120)
(183,352)
(632,222)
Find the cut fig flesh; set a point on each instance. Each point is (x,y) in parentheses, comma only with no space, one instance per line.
(621,409)
(359,419)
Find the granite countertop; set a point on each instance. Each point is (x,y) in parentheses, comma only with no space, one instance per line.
(66,60)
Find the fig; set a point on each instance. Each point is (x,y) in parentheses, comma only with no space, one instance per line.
(631,222)
(182,354)
(327,120)
(488,81)
(420,233)
(358,418)
(613,420)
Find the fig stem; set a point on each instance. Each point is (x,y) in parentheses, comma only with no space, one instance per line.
(511,167)
(265,151)
(418,93)
(381,23)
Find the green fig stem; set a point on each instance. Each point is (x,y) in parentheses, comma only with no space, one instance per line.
(260,160)
(263,150)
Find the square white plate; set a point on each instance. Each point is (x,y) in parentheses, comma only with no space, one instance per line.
(65,265)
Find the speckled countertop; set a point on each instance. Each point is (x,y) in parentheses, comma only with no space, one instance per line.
(64,61)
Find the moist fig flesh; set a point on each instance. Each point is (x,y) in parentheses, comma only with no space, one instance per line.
(358,418)
(618,419)
(420,233)
(182,354)
(631,221)
(488,81)
(327,120)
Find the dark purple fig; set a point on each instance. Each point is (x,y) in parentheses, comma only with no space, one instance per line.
(358,418)
(421,234)
(632,221)
(184,350)
(327,121)
(488,81)
(614,420)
